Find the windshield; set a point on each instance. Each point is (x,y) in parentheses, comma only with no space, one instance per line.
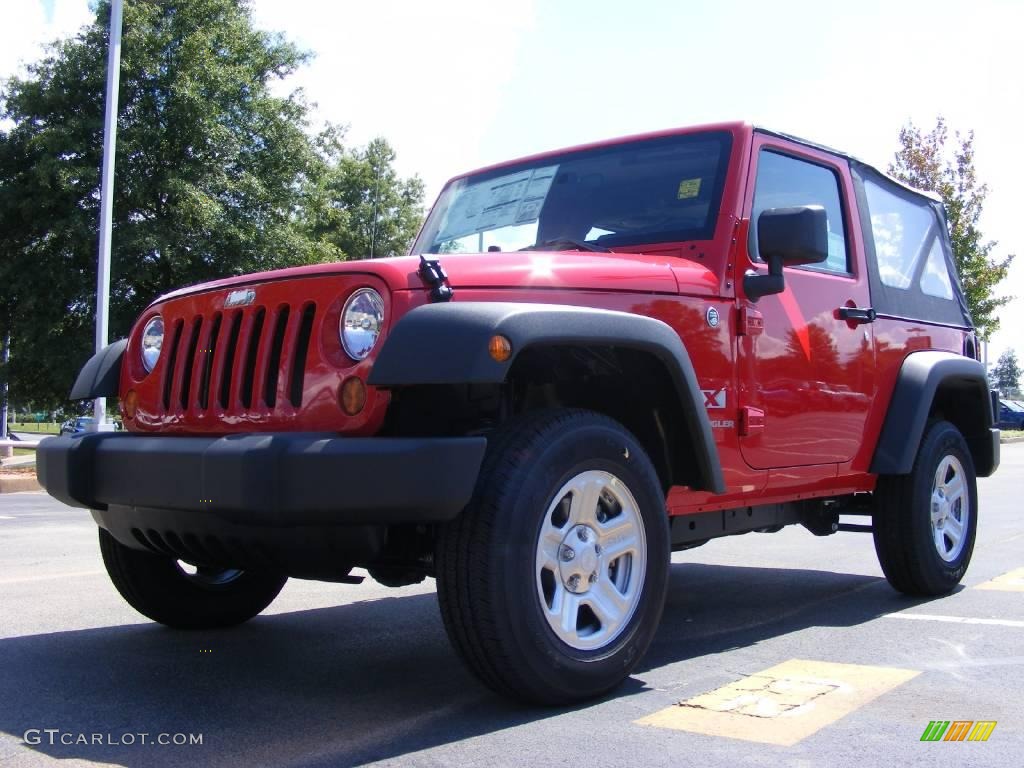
(659,190)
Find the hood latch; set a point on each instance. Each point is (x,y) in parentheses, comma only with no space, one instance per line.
(434,276)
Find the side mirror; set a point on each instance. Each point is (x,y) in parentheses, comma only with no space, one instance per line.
(787,237)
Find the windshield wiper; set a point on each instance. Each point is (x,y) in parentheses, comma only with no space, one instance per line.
(558,243)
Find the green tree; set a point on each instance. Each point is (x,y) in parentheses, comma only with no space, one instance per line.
(1005,374)
(925,162)
(359,204)
(215,175)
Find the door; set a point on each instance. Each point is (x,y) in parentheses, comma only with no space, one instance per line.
(806,374)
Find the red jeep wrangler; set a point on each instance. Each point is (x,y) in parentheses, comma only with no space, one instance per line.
(594,357)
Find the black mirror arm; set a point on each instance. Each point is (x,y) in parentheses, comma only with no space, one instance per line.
(756,285)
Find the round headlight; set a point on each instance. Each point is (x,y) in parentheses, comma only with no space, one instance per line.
(152,341)
(361,323)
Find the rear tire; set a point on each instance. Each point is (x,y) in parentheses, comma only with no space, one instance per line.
(552,581)
(925,522)
(171,593)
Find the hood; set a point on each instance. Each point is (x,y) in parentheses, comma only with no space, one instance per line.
(567,270)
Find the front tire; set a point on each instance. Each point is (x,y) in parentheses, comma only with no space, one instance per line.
(925,522)
(552,582)
(177,595)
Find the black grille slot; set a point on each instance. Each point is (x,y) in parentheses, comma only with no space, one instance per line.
(249,371)
(156,541)
(208,353)
(140,538)
(172,361)
(299,358)
(190,358)
(229,360)
(274,364)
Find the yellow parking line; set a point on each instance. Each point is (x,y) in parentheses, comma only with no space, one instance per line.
(1008,582)
(783,704)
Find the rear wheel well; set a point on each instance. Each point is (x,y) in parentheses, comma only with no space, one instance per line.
(965,404)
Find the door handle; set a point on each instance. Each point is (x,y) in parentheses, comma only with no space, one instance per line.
(857,315)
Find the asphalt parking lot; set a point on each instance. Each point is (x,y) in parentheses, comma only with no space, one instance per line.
(794,650)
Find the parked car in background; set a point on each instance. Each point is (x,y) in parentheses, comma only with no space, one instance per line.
(77,426)
(1011,415)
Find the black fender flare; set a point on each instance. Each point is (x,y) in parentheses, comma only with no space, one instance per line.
(101,375)
(447,343)
(920,379)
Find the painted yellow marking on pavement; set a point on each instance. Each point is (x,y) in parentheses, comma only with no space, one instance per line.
(783,704)
(955,619)
(1008,582)
(49,576)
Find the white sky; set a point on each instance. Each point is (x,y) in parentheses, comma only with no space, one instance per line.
(456,84)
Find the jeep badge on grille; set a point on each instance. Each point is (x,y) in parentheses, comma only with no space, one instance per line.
(240,298)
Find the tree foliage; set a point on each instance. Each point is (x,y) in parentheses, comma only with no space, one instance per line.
(930,162)
(216,174)
(362,206)
(1005,374)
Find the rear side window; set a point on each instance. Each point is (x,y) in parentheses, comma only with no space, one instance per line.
(935,278)
(906,232)
(785,182)
(910,264)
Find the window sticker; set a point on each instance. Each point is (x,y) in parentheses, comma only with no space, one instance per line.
(688,188)
(499,202)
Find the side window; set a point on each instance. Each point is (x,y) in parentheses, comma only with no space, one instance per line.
(935,278)
(784,182)
(905,232)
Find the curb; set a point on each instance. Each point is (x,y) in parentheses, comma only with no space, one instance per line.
(16,483)
(1006,440)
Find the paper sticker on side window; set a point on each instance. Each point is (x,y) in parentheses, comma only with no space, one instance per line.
(688,188)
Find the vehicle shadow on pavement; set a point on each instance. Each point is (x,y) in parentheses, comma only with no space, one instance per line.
(712,608)
(360,682)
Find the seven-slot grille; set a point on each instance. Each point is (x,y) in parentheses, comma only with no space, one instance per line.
(251,358)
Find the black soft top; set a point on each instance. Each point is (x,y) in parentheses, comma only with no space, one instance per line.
(909,302)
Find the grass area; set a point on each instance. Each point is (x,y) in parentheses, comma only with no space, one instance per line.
(49,428)
(24,452)
(1011,433)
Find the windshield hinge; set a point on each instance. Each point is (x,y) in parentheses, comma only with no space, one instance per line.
(435,278)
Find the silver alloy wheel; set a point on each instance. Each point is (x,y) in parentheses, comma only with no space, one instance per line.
(206,576)
(950,509)
(591,560)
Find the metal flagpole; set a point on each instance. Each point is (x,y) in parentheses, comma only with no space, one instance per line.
(107,192)
(5,356)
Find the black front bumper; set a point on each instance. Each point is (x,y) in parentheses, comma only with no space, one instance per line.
(308,505)
(267,479)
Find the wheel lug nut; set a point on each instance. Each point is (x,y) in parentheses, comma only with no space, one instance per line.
(581,533)
(567,553)
(574,582)
(593,577)
(597,549)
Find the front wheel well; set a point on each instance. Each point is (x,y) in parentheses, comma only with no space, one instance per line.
(631,386)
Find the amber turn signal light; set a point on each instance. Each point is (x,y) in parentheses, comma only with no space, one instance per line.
(131,402)
(353,395)
(500,348)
